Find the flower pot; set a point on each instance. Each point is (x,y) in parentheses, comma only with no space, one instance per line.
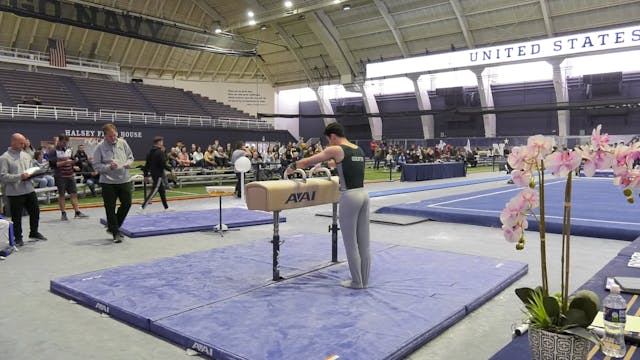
(546,345)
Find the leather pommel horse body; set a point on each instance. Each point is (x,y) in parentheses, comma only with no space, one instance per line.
(278,195)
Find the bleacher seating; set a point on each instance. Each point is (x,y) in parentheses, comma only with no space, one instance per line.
(97,95)
(110,95)
(168,100)
(50,89)
(218,109)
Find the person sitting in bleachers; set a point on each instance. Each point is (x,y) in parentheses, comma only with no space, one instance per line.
(197,157)
(221,158)
(173,157)
(209,158)
(183,158)
(44,180)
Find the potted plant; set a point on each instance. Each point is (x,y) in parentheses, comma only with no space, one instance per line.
(558,322)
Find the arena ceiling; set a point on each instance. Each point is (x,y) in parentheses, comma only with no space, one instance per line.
(315,41)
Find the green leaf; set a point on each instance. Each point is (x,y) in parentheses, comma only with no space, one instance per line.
(587,306)
(575,318)
(589,295)
(552,308)
(583,333)
(525,295)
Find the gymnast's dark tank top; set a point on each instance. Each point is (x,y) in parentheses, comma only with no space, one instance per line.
(351,168)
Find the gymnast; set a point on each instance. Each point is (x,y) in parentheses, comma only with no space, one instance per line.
(354,200)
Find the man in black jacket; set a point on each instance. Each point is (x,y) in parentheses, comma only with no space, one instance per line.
(155,166)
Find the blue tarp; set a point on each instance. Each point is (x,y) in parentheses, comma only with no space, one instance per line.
(188,221)
(221,302)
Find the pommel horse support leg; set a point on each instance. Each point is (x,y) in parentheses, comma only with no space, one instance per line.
(278,195)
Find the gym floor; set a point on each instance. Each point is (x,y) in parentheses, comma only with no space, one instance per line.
(36,324)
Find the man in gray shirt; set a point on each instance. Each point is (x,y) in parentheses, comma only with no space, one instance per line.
(19,188)
(112,159)
(237,154)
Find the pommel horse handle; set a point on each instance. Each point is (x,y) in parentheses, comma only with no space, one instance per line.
(299,171)
(319,168)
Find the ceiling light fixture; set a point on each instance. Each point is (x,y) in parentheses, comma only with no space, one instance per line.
(252,22)
(288,4)
(336,1)
(250,13)
(346,7)
(218,30)
(263,27)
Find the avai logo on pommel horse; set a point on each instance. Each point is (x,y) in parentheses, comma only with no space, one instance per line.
(102,307)
(301,196)
(204,349)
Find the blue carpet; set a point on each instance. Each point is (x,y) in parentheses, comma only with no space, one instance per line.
(188,221)
(598,209)
(518,349)
(380,193)
(222,304)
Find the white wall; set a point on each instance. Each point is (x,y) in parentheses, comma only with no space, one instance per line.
(250,98)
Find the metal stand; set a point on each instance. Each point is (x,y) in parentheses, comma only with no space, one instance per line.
(334,233)
(221,228)
(276,246)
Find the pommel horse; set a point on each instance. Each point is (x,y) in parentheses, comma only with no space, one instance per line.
(278,195)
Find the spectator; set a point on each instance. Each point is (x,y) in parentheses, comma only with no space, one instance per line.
(220,157)
(155,165)
(173,157)
(209,158)
(28,148)
(43,180)
(62,162)
(19,189)
(183,158)
(377,157)
(197,157)
(239,152)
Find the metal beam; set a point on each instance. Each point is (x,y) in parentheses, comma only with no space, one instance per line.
(206,66)
(235,61)
(547,18)
(193,65)
(153,59)
(215,73)
(126,52)
(263,69)
(244,69)
(113,46)
(15,32)
(185,52)
(52,29)
(326,32)
(210,10)
(84,39)
(391,23)
(33,33)
(457,8)
(98,44)
(135,64)
(294,48)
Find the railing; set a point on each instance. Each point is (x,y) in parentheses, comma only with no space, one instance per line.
(71,113)
(36,58)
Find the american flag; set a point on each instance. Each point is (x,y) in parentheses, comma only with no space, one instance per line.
(57,55)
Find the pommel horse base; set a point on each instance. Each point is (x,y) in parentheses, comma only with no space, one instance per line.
(278,195)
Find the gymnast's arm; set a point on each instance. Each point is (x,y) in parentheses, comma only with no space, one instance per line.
(330,153)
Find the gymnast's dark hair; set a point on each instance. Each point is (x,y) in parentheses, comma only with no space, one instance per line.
(334,128)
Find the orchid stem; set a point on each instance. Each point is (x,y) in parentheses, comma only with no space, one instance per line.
(543,234)
(566,244)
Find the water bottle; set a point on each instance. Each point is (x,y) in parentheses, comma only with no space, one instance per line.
(615,308)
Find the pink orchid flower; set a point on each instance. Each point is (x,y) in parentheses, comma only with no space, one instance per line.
(521,177)
(596,160)
(530,196)
(514,211)
(539,146)
(599,141)
(561,163)
(517,158)
(513,233)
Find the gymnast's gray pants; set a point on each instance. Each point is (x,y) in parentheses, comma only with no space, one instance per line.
(354,224)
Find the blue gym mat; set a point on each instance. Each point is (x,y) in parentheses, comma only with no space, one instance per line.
(222,303)
(412,189)
(598,209)
(187,221)
(518,349)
